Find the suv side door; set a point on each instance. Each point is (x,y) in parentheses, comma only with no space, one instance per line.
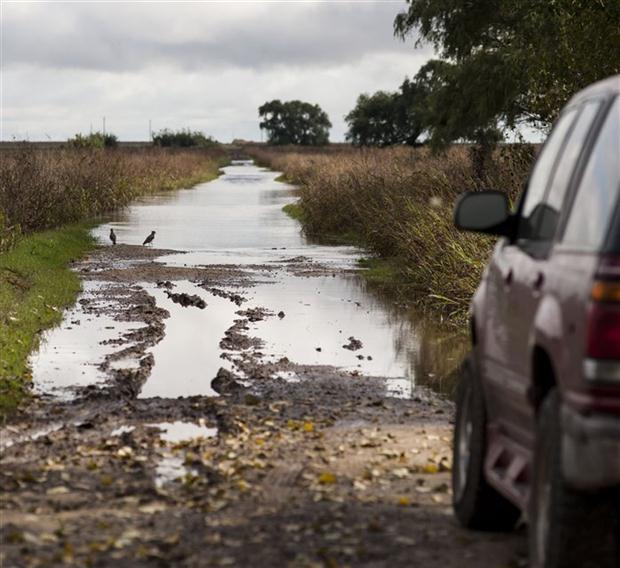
(517,274)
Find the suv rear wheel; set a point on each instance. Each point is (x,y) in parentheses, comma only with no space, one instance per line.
(477,505)
(568,528)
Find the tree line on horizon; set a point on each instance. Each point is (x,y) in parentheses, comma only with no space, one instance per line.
(166,138)
(502,63)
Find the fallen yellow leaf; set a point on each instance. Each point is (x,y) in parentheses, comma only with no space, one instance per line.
(327,478)
(243,485)
(57,490)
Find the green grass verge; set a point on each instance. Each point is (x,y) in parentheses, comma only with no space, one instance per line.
(282,178)
(380,271)
(36,284)
(294,210)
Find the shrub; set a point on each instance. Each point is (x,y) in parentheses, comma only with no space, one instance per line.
(94,140)
(184,138)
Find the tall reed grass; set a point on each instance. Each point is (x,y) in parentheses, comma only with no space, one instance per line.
(42,189)
(398,202)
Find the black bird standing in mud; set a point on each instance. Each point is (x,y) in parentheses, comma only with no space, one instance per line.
(113,236)
(149,239)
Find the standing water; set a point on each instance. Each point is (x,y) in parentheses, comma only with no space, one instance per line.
(237,220)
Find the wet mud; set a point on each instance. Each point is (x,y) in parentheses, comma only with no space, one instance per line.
(303,465)
(187,300)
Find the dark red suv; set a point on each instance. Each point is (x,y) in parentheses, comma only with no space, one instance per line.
(538,414)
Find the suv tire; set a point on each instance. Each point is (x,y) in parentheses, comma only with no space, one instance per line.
(477,505)
(568,528)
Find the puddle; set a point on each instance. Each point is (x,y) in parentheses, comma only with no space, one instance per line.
(237,219)
(321,313)
(188,358)
(69,355)
(122,430)
(124,363)
(169,468)
(175,432)
(288,376)
(399,387)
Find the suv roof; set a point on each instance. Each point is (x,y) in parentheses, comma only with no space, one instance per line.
(608,86)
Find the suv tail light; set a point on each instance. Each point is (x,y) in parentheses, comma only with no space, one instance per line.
(604,331)
(603,337)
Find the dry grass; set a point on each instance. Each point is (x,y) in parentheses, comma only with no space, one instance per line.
(42,189)
(399,203)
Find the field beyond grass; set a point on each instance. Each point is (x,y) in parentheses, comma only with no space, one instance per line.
(35,286)
(397,203)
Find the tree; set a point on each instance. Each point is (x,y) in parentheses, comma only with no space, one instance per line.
(294,122)
(385,119)
(459,104)
(506,61)
(374,120)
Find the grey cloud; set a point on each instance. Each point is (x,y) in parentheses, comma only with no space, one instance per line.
(206,66)
(117,39)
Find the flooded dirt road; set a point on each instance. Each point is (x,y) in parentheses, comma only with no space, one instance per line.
(237,397)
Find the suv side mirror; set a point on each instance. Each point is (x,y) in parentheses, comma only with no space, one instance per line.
(483,212)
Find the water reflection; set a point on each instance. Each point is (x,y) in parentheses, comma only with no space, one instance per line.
(238,219)
(432,350)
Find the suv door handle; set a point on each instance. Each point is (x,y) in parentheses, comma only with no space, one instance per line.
(538,281)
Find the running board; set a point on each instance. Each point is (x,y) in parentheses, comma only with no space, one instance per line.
(507,468)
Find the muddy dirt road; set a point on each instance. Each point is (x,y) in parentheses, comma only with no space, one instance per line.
(244,402)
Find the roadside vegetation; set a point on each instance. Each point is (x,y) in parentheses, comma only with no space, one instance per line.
(47,199)
(42,189)
(397,202)
(184,138)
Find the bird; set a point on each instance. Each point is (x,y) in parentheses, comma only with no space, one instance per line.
(149,239)
(113,236)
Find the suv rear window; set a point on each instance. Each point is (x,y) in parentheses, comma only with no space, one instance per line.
(599,187)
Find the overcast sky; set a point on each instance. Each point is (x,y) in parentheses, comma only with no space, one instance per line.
(204,65)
